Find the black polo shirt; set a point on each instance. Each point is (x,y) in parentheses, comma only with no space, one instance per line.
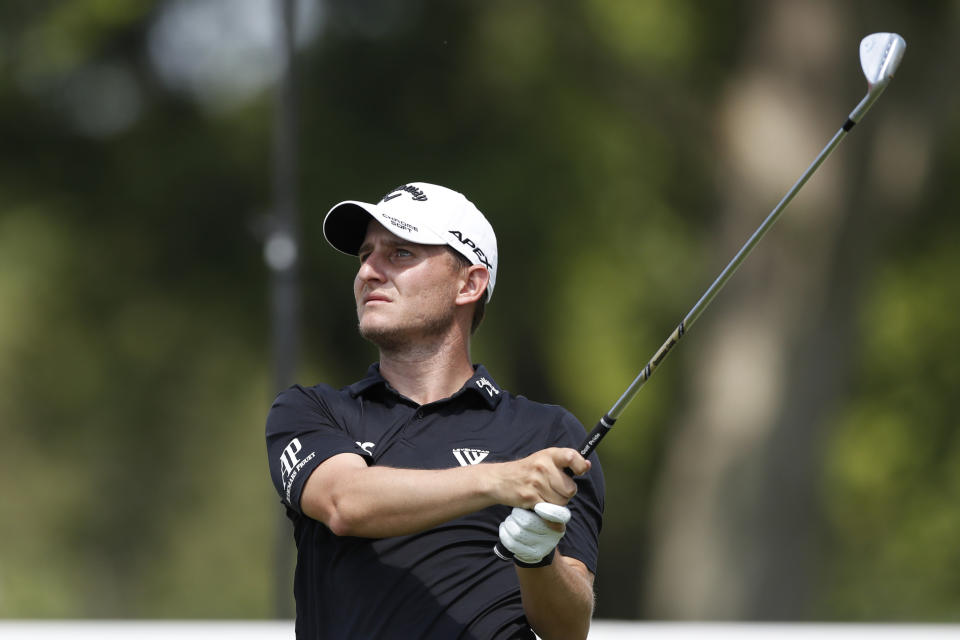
(441,583)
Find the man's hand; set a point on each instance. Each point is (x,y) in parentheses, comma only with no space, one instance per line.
(540,477)
(532,535)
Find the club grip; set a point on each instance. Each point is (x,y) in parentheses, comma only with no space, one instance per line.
(596,435)
(586,448)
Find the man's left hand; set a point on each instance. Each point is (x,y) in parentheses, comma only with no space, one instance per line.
(532,535)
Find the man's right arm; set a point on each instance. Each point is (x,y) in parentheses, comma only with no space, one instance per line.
(354,499)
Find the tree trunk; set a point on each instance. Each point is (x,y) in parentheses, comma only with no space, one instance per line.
(735,516)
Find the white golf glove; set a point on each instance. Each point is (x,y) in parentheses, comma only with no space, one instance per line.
(526,534)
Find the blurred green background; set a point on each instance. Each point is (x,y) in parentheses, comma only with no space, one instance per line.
(797,458)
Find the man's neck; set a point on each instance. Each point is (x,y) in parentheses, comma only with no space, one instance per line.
(427,374)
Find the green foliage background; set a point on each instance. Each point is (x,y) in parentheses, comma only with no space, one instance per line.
(134,349)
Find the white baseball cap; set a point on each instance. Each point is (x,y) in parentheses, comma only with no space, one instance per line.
(419,212)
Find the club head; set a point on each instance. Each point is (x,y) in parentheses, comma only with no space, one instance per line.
(880,55)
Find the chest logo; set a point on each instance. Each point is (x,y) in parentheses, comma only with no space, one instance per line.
(467,457)
(366,446)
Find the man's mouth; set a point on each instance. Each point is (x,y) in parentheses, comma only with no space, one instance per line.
(374,297)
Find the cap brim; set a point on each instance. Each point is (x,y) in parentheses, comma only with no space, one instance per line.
(345,225)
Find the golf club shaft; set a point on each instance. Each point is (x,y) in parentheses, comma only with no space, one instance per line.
(878,72)
(893,53)
(606,422)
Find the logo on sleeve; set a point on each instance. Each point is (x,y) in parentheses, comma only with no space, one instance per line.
(290,465)
(467,457)
(288,459)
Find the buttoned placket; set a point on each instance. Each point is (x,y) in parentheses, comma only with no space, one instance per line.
(401,431)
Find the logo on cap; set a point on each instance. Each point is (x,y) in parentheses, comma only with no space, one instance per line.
(415,193)
(481,256)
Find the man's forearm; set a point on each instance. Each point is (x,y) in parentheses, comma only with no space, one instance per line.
(558,598)
(377,502)
(354,499)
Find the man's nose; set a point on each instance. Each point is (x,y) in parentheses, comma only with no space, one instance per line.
(370,268)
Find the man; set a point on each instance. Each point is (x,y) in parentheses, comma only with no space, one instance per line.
(399,485)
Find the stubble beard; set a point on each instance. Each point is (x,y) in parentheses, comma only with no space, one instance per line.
(404,338)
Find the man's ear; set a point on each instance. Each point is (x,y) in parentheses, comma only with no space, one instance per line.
(474,284)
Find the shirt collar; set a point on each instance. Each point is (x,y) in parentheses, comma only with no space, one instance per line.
(372,378)
(481,383)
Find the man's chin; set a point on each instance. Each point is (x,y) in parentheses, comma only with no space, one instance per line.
(386,338)
(394,338)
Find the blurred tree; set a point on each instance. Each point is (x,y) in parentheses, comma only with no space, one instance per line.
(131,389)
(741,527)
(718,536)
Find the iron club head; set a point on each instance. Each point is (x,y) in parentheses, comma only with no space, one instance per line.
(880,55)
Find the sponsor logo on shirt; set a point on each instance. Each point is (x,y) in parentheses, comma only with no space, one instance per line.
(487,386)
(290,465)
(467,457)
(367,446)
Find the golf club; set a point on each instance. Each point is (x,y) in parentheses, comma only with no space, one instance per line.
(880,55)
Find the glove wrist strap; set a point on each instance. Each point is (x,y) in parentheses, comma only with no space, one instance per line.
(546,560)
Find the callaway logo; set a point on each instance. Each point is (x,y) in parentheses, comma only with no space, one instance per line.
(467,457)
(415,193)
(477,250)
(487,386)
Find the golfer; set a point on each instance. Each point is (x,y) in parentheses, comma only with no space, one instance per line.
(399,485)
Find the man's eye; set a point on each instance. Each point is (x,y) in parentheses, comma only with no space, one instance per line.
(403,253)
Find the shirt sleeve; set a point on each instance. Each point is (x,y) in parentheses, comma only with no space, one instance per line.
(302,432)
(582,539)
